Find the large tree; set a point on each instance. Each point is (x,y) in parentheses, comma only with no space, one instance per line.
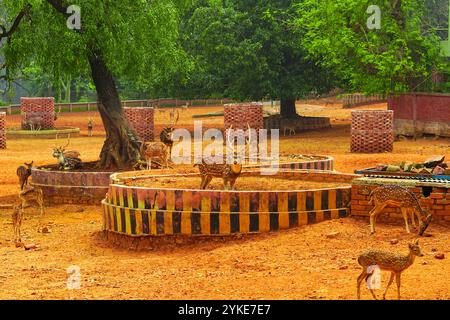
(249,50)
(399,56)
(134,39)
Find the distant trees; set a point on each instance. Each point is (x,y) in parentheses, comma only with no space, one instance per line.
(249,50)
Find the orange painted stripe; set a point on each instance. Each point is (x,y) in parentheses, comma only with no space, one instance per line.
(283,208)
(224,215)
(264,220)
(244,218)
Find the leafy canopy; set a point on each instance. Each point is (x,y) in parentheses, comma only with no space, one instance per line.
(400,56)
(136,38)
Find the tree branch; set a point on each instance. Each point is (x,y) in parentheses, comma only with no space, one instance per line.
(8,33)
(57,4)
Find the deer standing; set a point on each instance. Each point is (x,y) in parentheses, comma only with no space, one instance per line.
(17,224)
(32,195)
(155,150)
(289,126)
(397,196)
(90,127)
(228,172)
(24,172)
(393,262)
(166,135)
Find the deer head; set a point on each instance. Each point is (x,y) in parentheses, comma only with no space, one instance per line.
(415,249)
(59,150)
(29,165)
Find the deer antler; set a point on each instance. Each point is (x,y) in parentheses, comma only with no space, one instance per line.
(68,142)
(177,118)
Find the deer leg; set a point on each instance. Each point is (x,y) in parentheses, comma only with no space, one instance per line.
(370,288)
(373,214)
(413,218)
(358,283)
(405,217)
(398,278)
(391,279)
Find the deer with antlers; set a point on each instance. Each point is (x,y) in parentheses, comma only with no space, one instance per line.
(229,172)
(67,160)
(166,135)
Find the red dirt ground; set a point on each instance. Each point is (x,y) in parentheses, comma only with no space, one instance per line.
(296,264)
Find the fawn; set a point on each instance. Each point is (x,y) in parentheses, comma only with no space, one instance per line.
(17,223)
(397,196)
(30,195)
(393,262)
(24,173)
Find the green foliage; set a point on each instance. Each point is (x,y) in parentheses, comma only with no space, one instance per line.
(398,57)
(136,38)
(247,50)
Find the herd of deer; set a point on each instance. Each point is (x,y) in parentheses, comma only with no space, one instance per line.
(159,152)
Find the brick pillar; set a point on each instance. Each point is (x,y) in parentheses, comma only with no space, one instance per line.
(241,115)
(142,120)
(42,109)
(372,131)
(2,130)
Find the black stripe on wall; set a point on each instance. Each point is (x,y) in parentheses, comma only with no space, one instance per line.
(176,222)
(196,227)
(324,200)
(254,222)
(274,221)
(309,201)
(122,220)
(145,222)
(214,223)
(234,223)
(293,219)
(311,217)
(159,222)
(133,221)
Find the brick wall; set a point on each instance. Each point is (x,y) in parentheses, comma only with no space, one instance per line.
(2,130)
(372,131)
(432,114)
(241,115)
(43,108)
(142,120)
(438,202)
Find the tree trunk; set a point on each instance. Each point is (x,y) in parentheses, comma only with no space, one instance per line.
(121,147)
(287,108)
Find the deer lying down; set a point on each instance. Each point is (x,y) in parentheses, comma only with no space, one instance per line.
(397,196)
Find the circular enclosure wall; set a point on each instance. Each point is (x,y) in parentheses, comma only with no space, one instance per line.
(142,120)
(372,131)
(38,111)
(2,130)
(70,187)
(145,211)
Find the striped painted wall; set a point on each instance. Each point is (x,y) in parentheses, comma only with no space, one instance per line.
(150,212)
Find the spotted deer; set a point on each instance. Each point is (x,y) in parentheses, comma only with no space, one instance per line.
(17,216)
(228,172)
(24,172)
(166,135)
(155,150)
(30,196)
(389,261)
(67,160)
(289,126)
(400,197)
